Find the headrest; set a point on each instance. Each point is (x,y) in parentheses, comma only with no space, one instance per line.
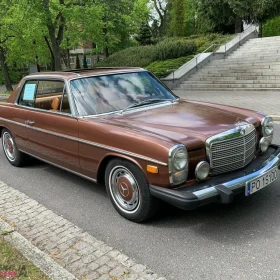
(55,103)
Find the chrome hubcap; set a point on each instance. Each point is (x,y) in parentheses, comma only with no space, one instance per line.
(9,146)
(124,189)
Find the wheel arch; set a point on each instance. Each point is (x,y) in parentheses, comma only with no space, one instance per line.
(104,162)
(1,129)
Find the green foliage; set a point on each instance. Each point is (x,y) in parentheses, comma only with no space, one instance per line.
(142,56)
(14,75)
(144,36)
(166,55)
(178,18)
(163,68)
(215,16)
(272,27)
(254,10)
(211,39)
(221,15)
(12,260)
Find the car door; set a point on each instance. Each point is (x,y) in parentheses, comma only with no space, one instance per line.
(16,116)
(52,130)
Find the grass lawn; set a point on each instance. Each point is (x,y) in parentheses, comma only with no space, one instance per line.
(13,265)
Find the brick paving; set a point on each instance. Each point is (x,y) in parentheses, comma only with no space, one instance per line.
(74,249)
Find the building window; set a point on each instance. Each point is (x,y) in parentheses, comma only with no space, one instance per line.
(72,60)
(88,61)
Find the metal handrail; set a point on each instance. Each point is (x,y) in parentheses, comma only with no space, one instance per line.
(198,55)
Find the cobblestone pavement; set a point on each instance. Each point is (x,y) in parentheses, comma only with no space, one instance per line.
(267,102)
(74,249)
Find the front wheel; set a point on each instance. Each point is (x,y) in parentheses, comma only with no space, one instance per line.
(12,153)
(129,192)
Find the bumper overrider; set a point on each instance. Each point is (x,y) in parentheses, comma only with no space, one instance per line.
(222,188)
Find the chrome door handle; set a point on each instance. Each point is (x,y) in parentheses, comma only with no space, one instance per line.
(29,122)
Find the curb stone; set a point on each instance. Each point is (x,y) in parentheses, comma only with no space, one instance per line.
(275,118)
(67,245)
(33,254)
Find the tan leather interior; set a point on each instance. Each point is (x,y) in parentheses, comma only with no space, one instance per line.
(56,103)
(46,102)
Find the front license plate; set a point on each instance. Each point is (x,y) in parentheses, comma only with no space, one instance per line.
(261,182)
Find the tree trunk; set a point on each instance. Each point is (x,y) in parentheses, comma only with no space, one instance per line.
(4,67)
(55,48)
(106,52)
(238,24)
(106,49)
(51,52)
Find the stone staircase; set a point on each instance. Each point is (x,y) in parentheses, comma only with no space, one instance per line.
(253,66)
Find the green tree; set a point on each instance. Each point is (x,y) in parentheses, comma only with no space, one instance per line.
(163,10)
(178,17)
(222,14)
(144,36)
(215,16)
(272,27)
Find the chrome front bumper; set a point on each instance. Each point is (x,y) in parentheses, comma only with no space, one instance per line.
(221,188)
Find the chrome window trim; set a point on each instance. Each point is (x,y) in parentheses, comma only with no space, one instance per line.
(45,111)
(106,74)
(90,143)
(152,106)
(46,78)
(64,168)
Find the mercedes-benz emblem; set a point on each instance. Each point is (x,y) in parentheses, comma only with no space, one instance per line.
(124,189)
(242,131)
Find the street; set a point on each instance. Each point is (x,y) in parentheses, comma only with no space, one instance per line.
(236,241)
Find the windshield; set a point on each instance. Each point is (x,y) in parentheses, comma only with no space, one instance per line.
(110,93)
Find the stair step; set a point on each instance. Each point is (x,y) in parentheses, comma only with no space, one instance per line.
(245,66)
(240,62)
(272,58)
(205,85)
(262,79)
(254,66)
(216,81)
(229,89)
(254,54)
(259,75)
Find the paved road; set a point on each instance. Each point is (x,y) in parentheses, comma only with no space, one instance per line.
(237,241)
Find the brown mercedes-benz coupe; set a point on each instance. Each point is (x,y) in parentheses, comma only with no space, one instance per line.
(124,128)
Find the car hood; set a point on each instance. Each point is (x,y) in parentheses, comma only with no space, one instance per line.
(189,123)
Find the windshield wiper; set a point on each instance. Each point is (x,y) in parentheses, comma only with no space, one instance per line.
(147,101)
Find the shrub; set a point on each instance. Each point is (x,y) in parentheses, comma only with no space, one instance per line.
(14,75)
(154,56)
(272,27)
(142,56)
(163,68)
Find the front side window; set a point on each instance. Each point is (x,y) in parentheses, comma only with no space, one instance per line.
(115,92)
(28,93)
(47,95)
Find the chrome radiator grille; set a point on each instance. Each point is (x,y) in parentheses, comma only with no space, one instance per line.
(234,152)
